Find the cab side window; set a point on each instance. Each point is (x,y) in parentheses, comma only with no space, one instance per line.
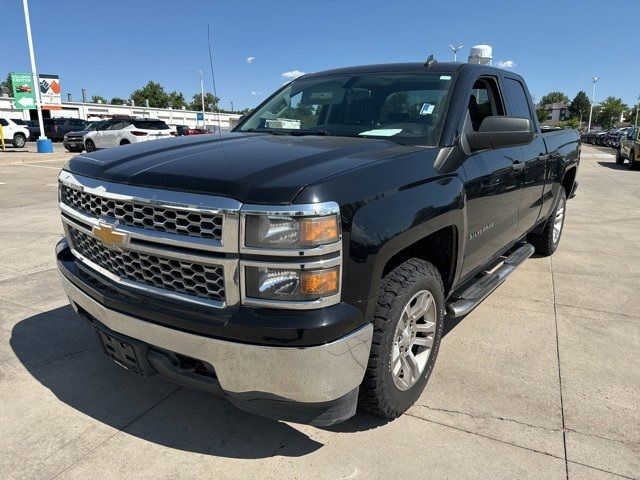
(519,106)
(485,101)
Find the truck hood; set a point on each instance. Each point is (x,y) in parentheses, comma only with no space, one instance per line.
(249,167)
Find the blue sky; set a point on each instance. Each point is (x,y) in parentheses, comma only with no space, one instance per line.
(555,45)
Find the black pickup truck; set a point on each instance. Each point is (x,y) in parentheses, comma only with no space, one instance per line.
(304,263)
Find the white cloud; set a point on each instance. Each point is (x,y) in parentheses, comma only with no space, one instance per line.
(505,64)
(292,74)
(250,59)
(256,93)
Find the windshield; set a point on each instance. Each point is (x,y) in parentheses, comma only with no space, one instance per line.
(19,122)
(406,108)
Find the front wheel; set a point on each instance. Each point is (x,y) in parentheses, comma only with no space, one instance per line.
(633,165)
(619,157)
(408,324)
(547,242)
(89,146)
(19,140)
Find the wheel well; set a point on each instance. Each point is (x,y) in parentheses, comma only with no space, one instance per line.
(439,249)
(568,180)
(124,142)
(19,134)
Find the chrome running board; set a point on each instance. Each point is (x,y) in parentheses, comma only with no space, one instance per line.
(469,299)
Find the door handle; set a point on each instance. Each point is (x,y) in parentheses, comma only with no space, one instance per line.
(517,165)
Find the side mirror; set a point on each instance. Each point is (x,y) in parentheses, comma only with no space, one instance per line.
(500,132)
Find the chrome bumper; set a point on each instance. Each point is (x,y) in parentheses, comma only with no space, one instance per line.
(311,374)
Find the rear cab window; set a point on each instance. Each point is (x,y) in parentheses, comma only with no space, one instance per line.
(519,105)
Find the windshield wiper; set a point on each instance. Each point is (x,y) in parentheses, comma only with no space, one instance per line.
(263,130)
(300,133)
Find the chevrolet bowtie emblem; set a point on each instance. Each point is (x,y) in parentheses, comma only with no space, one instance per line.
(107,236)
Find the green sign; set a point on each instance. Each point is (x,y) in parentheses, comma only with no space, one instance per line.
(24,96)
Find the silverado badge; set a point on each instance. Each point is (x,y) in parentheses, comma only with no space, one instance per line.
(108,236)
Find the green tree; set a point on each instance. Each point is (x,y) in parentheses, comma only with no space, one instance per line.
(542,114)
(210,102)
(554,97)
(7,84)
(98,99)
(580,104)
(177,100)
(117,101)
(611,109)
(152,91)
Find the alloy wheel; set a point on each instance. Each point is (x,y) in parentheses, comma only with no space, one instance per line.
(413,340)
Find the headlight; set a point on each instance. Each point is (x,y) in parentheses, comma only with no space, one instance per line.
(273,283)
(263,231)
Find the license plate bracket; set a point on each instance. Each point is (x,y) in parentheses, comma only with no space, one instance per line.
(130,355)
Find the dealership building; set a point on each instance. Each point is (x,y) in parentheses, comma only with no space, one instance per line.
(97,111)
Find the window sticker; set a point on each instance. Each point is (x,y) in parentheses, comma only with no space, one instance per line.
(382,132)
(427,109)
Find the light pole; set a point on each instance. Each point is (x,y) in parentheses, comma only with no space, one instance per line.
(637,107)
(44,145)
(202,93)
(454,48)
(232,106)
(593,99)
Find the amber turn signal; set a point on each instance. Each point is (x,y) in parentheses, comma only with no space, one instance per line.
(320,282)
(319,230)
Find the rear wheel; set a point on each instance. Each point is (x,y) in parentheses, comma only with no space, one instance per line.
(408,324)
(619,157)
(19,140)
(89,146)
(547,242)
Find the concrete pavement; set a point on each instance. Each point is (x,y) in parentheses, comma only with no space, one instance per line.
(540,381)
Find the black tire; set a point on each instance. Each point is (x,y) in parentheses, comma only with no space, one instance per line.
(619,157)
(89,146)
(633,165)
(19,140)
(378,392)
(544,242)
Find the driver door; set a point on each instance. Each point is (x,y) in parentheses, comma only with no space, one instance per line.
(493,185)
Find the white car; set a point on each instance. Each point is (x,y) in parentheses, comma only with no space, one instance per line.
(122,131)
(14,131)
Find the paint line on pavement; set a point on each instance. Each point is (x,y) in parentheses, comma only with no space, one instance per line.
(38,166)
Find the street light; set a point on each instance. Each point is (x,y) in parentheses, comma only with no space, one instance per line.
(593,99)
(44,144)
(202,93)
(454,48)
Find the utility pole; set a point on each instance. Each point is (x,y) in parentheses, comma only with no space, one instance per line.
(454,48)
(201,72)
(36,84)
(593,99)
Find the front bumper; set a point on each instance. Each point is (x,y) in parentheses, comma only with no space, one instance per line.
(73,143)
(316,384)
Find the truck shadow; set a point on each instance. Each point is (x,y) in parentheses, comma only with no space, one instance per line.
(615,166)
(61,351)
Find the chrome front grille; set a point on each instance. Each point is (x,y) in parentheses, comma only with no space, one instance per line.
(160,218)
(189,278)
(180,245)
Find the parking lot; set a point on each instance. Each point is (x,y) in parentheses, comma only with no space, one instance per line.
(541,381)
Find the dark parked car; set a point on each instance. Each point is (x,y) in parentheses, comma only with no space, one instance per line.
(303,264)
(55,128)
(74,141)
